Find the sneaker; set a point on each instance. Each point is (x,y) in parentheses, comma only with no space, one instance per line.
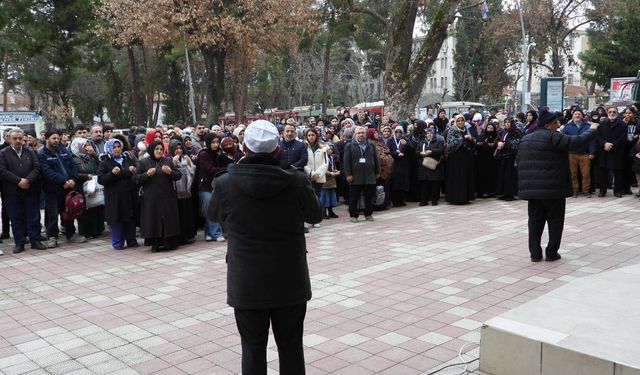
(208,238)
(76,238)
(316,225)
(1,252)
(354,219)
(221,239)
(368,218)
(52,242)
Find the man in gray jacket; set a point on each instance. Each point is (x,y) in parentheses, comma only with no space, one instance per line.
(362,169)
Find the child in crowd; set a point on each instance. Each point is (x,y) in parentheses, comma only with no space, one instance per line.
(328,195)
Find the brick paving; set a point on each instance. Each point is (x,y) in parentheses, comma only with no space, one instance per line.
(401,295)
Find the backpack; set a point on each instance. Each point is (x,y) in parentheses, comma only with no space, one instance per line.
(73,206)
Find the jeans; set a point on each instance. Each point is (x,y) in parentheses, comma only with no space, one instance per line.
(54,206)
(211,228)
(123,232)
(288,324)
(24,215)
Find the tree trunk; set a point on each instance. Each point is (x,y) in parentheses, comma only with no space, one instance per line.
(214,66)
(241,83)
(404,78)
(5,82)
(156,111)
(138,111)
(325,75)
(556,64)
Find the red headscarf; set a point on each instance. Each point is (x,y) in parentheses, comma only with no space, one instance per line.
(371,134)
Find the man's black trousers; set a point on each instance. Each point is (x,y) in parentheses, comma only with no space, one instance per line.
(541,211)
(288,324)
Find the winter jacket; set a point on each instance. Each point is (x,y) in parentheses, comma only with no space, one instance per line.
(13,169)
(543,163)
(363,173)
(264,204)
(615,133)
(57,168)
(294,153)
(572,129)
(317,163)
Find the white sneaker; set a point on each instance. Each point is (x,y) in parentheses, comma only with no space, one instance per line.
(1,252)
(221,239)
(208,238)
(368,218)
(307,225)
(316,225)
(76,238)
(52,243)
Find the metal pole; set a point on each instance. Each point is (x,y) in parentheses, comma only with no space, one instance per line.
(525,63)
(192,102)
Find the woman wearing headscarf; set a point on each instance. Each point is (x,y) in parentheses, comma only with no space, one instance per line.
(210,163)
(386,164)
(159,220)
(115,173)
(400,178)
(486,164)
(460,178)
(430,179)
(506,151)
(91,223)
(385,131)
(414,138)
(532,122)
(183,191)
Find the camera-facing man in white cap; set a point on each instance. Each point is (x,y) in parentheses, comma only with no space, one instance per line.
(264,204)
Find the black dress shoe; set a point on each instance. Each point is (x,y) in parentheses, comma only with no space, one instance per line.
(553,258)
(37,245)
(333,215)
(422,204)
(434,203)
(617,195)
(18,249)
(536,260)
(601,194)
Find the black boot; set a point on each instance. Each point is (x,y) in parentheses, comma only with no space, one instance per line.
(331,213)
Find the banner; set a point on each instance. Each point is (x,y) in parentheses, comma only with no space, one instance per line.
(619,92)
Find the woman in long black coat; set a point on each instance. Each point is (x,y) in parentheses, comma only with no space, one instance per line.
(486,164)
(430,179)
(400,177)
(506,151)
(187,168)
(115,174)
(460,177)
(160,220)
(413,140)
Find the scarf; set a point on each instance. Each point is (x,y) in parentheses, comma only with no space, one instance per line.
(108,149)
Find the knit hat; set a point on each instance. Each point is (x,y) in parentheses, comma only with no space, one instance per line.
(227,145)
(546,117)
(477,117)
(49,133)
(261,137)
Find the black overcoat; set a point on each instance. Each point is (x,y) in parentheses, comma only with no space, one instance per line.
(120,191)
(616,133)
(159,215)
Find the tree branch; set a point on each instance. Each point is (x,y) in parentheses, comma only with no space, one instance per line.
(574,28)
(369,11)
(469,6)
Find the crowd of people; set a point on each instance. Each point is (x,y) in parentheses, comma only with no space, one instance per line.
(157,180)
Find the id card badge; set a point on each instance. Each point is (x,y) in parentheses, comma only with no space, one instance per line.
(362,161)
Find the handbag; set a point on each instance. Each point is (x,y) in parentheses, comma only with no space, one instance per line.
(429,162)
(94,193)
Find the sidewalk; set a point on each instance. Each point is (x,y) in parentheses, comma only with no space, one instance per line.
(400,295)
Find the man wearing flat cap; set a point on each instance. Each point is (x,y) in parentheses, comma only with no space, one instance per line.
(544,180)
(264,204)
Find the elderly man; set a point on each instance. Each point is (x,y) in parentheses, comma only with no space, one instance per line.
(268,276)
(361,168)
(580,159)
(611,139)
(543,170)
(20,172)
(97,140)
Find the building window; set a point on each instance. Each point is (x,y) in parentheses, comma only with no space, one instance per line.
(570,79)
(442,82)
(446,82)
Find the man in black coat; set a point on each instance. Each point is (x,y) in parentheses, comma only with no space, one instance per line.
(20,172)
(362,170)
(611,140)
(544,180)
(264,203)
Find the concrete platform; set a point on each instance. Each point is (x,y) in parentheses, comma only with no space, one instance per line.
(590,326)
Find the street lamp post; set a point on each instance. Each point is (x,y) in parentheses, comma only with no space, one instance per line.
(525,63)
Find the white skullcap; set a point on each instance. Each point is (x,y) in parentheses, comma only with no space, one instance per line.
(261,137)
(477,117)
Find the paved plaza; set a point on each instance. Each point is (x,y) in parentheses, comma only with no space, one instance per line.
(402,295)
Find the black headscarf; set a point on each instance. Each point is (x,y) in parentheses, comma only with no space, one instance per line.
(207,145)
(152,147)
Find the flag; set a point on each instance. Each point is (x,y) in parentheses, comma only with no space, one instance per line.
(484,10)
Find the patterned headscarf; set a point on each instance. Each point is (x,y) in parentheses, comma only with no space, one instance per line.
(108,149)
(76,147)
